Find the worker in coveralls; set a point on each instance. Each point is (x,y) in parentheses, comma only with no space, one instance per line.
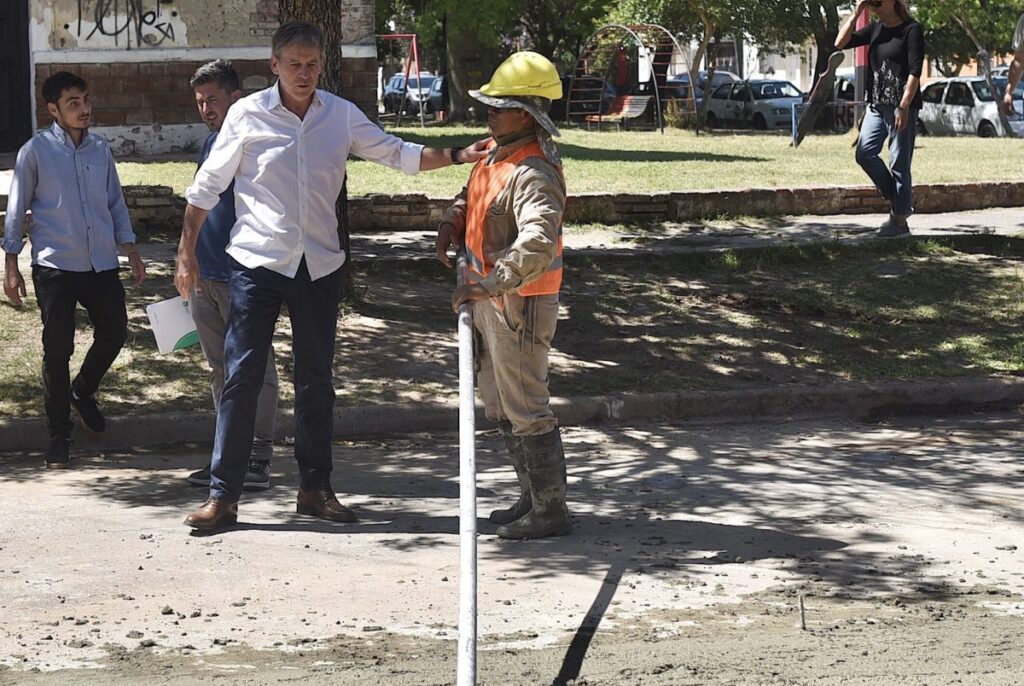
(509,218)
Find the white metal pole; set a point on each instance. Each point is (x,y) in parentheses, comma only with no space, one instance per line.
(467,493)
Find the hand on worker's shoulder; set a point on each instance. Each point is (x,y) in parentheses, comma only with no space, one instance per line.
(477,151)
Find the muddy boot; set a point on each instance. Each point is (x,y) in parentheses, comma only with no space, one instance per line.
(514,445)
(545,466)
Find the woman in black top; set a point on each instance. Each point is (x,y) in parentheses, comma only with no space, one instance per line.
(895,57)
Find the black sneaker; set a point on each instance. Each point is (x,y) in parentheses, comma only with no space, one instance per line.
(257,476)
(90,413)
(58,454)
(200,478)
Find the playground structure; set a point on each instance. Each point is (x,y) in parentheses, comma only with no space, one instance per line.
(412,64)
(635,60)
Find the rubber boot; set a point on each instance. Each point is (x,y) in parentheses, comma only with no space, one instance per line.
(545,466)
(514,445)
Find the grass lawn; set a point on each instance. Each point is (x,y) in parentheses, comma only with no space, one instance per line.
(816,314)
(641,162)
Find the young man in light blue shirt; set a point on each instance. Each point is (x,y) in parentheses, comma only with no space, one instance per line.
(66,177)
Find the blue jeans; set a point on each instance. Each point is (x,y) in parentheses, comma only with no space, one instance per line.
(256,299)
(893,182)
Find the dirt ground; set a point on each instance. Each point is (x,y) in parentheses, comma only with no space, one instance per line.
(693,547)
(660,321)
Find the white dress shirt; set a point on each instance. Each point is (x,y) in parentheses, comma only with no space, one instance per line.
(288,174)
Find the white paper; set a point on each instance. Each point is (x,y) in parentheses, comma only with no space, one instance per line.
(172,325)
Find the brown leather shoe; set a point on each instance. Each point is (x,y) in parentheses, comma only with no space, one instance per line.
(213,514)
(324,504)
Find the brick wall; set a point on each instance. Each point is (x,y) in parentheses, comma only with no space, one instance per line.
(155,208)
(129,93)
(359,74)
(147,93)
(263,20)
(359,83)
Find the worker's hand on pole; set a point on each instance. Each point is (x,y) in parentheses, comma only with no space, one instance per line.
(448,237)
(470,292)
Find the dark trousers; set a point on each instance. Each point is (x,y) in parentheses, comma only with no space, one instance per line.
(256,299)
(58,293)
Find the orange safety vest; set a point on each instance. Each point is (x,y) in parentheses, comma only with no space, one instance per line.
(485,183)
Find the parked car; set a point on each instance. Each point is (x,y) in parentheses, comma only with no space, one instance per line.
(842,114)
(393,93)
(1000,83)
(1001,72)
(678,88)
(762,104)
(435,98)
(417,92)
(591,94)
(964,105)
(393,89)
(717,79)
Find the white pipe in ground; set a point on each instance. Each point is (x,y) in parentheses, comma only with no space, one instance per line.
(467,493)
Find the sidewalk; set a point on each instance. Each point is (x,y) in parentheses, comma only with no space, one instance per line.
(741,234)
(729,234)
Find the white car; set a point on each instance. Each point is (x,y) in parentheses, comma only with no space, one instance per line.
(761,104)
(965,105)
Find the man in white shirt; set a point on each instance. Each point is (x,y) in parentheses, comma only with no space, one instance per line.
(285,148)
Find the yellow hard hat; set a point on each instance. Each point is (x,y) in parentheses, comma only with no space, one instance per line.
(525,74)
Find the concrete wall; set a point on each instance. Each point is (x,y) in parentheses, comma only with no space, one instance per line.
(138,56)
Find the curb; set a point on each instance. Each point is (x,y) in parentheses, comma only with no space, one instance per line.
(839,400)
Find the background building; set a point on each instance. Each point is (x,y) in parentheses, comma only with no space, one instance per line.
(138,56)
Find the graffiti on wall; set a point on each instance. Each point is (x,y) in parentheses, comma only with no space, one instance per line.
(129,23)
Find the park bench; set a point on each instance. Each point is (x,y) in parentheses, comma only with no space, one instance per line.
(621,111)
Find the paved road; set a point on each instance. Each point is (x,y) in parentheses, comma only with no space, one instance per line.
(687,536)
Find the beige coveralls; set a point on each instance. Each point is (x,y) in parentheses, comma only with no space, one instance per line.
(514,333)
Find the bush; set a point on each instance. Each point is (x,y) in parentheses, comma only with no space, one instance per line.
(679,114)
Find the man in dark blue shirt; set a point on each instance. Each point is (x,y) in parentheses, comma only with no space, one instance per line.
(217,86)
(66,177)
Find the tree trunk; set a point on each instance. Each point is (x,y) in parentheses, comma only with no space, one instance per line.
(466,67)
(700,115)
(969,30)
(825,45)
(326,14)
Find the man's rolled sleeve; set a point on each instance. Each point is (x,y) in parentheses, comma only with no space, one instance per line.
(123,232)
(23,185)
(411,154)
(218,170)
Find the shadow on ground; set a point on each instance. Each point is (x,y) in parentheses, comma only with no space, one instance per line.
(664,499)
